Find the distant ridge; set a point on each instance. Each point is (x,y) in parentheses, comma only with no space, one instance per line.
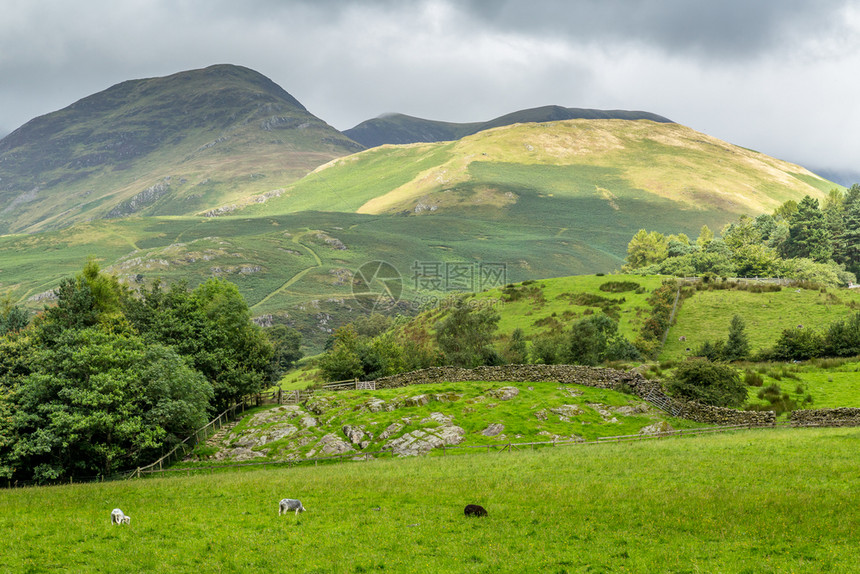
(403,129)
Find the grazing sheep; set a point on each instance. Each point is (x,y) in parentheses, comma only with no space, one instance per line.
(290,504)
(474,510)
(118,517)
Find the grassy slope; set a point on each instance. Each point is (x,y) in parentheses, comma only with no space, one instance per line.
(471,407)
(707,314)
(606,159)
(752,501)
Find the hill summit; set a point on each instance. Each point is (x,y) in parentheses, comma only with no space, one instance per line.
(403,129)
(160,146)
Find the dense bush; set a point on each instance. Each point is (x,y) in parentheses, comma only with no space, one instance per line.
(106,378)
(709,383)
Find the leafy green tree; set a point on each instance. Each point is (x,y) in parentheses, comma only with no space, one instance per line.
(12,317)
(848,250)
(547,348)
(807,233)
(705,237)
(785,211)
(646,248)
(97,401)
(709,383)
(737,346)
(516,350)
(741,233)
(797,345)
(843,337)
(342,362)
(212,326)
(286,349)
(465,336)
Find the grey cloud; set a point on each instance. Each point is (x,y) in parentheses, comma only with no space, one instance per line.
(708,28)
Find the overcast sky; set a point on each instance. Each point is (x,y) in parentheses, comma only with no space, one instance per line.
(779,76)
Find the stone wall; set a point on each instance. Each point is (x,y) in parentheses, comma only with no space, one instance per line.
(598,377)
(841,417)
(724,417)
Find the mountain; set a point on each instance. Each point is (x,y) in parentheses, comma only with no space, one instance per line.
(402,129)
(561,173)
(845,178)
(160,146)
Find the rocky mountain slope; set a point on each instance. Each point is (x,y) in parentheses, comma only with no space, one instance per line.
(160,146)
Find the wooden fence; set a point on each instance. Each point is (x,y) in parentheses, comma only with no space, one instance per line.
(498,447)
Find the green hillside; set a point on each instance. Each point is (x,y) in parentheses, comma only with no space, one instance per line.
(566,170)
(180,144)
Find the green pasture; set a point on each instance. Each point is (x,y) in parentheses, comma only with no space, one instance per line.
(747,502)
(706,315)
(831,383)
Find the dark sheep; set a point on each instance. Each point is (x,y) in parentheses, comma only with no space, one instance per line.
(474,510)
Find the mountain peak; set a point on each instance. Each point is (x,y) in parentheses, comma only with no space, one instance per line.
(394,128)
(112,145)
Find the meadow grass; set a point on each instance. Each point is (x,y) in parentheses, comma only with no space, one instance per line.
(706,316)
(830,386)
(775,500)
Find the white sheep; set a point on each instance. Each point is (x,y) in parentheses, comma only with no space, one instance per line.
(287,504)
(117,516)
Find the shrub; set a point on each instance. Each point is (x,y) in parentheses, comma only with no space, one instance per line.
(753,379)
(709,383)
(797,345)
(619,286)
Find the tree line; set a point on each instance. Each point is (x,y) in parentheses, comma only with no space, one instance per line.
(107,377)
(803,241)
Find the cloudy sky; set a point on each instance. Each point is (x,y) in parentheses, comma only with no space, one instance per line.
(779,76)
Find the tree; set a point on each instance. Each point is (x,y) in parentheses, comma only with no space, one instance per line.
(785,211)
(848,250)
(12,317)
(843,337)
(97,401)
(705,237)
(646,248)
(737,346)
(710,383)
(797,345)
(807,233)
(465,336)
(212,326)
(516,351)
(286,349)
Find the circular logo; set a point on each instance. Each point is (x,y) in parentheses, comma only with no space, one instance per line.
(377,285)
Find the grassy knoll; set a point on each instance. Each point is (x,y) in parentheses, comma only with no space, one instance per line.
(540,412)
(706,315)
(748,502)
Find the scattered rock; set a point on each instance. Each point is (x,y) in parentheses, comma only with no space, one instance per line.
(417,401)
(392,430)
(332,444)
(567,411)
(493,429)
(656,428)
(504,393)
(541,414)
(355,434)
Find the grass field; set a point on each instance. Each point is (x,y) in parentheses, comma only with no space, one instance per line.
(706,315)
(747,502)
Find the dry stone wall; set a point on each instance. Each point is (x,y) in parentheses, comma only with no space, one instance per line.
(841,417)
(598,377)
